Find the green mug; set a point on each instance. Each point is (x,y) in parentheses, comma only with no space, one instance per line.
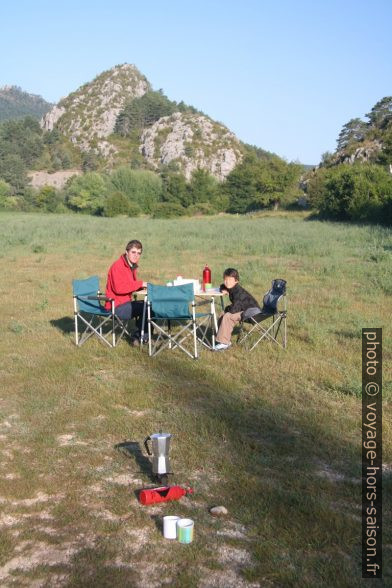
(185,530)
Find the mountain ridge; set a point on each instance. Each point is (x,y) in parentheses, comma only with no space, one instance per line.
(16,103)
(186,140)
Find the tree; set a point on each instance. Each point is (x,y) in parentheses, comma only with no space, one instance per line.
(174,189)
(359,192)
(13,171)
(90,161)
(260,182)
(143,112)
(380,115)
(22,137)
(203,187)
(5,192)
(140,186)
(352,132)
(87,193)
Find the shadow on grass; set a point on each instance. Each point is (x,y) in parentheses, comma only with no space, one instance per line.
(66,324)
(290,478)
(133,450)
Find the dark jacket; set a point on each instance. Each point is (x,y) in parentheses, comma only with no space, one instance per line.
(240,299)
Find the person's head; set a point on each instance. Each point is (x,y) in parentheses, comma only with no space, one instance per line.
(231,277)
(133,251)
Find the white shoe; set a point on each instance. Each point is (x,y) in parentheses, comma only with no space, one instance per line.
(221,346)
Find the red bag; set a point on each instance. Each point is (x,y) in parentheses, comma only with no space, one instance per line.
(162,494)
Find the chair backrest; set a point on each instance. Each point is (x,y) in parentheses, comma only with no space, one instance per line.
(271,299)
(88,287)
(170,301)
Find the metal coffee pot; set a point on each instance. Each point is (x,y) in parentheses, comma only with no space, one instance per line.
(160,443)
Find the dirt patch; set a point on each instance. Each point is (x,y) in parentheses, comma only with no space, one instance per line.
(233,531)
(124,480)
(58,179)
(36,554)
(69,439)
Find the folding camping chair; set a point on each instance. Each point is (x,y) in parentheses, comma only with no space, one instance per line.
(174,306)
(275,328)
(89,312)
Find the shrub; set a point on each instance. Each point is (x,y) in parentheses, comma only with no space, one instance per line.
(116,204)
(141,187)
(361,192)
(86,193)
(168,210)
(5,192)
(201,208)
(48,199)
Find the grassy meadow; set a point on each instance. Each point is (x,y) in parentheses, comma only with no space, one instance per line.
(274,435)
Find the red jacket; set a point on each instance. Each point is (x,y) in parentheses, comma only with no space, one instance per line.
(121,282)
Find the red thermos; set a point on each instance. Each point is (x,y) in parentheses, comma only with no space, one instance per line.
(206,276)
(162,494)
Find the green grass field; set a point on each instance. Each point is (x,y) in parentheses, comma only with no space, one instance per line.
(273,435)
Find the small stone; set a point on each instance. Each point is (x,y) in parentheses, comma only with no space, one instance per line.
(218,511)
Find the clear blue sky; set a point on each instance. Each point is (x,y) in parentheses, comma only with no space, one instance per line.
(283,75)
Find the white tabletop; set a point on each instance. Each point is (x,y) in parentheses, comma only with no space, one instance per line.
(208,293)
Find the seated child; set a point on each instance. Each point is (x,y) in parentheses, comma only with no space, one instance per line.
(240,300)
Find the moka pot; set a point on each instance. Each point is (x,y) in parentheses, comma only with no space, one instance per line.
(160,443)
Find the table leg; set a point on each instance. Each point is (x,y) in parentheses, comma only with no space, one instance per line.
(144,317)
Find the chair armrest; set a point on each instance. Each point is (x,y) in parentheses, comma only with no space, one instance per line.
(100,297)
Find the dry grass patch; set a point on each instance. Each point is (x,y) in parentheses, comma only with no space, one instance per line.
(273,435)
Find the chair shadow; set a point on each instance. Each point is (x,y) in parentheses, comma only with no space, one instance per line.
(66,324)
(133,450)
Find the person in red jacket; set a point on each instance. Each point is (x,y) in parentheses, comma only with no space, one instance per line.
(122,282)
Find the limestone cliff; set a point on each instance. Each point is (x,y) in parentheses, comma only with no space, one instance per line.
(88,115)
(187,138)
(193,141)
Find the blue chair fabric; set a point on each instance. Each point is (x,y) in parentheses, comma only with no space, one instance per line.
(90,313)
(168,306)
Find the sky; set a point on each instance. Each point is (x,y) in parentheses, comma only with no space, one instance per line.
(282,75)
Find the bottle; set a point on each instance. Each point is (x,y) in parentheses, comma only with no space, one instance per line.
(206,277)
(162,494)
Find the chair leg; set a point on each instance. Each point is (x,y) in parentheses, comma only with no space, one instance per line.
(212,323)
(195,338)
(76,330)
(149,328)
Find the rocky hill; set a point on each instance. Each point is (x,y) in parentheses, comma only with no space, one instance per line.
(88,116)
(193,141)
(15,103)
(366,141)
(187,139)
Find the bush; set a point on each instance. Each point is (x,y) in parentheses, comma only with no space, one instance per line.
(5,192)
(361,192)
(86,193)
(201,208)
(141,187)
(116,204)
(48,199)
(168,210)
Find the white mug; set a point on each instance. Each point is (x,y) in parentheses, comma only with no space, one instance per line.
(170,527)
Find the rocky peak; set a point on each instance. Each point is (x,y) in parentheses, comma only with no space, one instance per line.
(88,115)
(193,141)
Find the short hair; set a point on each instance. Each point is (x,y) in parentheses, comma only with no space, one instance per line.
(233,273)
(134,243)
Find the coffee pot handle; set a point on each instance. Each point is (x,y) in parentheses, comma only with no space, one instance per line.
(146,440)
